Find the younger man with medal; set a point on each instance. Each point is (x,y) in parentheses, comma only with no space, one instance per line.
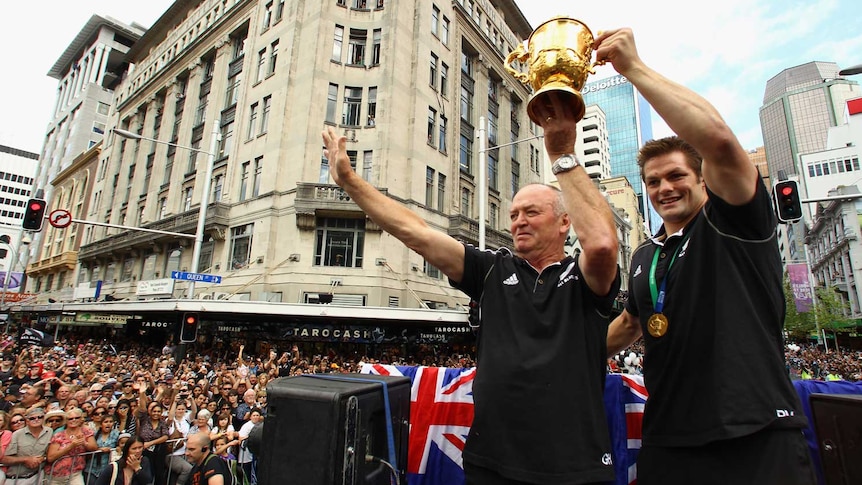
(706,293)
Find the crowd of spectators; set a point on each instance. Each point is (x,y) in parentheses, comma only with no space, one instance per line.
(85,402)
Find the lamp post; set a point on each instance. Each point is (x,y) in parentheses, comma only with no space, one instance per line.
(215,137)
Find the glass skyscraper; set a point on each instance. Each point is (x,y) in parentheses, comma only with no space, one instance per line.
(629,126)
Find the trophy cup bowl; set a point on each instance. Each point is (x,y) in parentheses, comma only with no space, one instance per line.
(557,55)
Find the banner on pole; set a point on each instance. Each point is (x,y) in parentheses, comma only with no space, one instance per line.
(799,284)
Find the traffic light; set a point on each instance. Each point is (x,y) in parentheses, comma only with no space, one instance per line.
(788,207)
(189,328)
(34,216)
(474,317)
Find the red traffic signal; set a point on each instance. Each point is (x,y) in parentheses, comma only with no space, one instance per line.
(788,206)
(189,327)
(34,215)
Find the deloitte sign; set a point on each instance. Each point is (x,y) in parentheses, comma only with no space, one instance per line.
(604,84)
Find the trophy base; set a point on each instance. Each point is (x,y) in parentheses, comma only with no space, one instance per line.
(569,96)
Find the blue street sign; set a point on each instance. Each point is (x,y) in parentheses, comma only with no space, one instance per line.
(202,277)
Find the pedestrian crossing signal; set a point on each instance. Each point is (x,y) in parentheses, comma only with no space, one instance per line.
(788,206)
(34,215)
(189,328)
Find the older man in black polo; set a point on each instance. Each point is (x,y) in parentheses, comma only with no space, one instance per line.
(26,451)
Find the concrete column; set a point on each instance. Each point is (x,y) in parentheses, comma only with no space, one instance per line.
(106,51)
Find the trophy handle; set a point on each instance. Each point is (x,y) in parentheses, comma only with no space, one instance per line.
(519,54)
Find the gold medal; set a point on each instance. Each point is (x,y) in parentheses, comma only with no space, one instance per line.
(657,325)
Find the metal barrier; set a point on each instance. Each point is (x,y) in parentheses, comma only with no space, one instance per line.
(84,461)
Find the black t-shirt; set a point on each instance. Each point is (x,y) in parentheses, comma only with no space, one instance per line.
(719,371)
(212,465)
(539,415)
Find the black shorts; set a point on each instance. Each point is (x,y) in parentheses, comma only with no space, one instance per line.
(768,457)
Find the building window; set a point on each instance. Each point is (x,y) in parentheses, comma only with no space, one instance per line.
(367,161)
(279,10)
(337,43)
(172,262)
(466,104)
(148,270)
(444,79)
(331,103)
(432,125)
(356,47)
(243,187)
(240,241)
(441,191)
(264,118)
(99,127)
(323,176)
(493,215)
(432,80)
(163,207)
(261,62)
(339,242)
(187,198)
(430,270)
(255,181)
(429,187)
(444,31)
(226,141)
(466,154)
(252,120)
(467,64)
(352,105)
(516,178)
(375,47)
(441,143)
(232,91)
(273,55)
(218,187)
(372,106)
(267,16)
(128,267)
(492,170)
(435,20)
(466,197)
(205,260)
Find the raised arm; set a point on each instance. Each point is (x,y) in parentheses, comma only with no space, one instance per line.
(589,212)
(727,169)
(438,248)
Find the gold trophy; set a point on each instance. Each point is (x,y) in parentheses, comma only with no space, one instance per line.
(558,56)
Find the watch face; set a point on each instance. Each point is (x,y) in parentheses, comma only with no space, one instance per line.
(564,163)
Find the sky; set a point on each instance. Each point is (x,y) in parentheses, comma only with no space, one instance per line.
(724,50)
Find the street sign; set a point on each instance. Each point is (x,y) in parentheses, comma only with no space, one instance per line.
(202,277)
(60,218)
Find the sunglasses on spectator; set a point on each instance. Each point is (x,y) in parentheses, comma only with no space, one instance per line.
(74,417)
(17,421)
(100,413)
(34,418)
(55,420)
(122,408)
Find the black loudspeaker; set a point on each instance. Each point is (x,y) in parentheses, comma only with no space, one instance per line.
(327,431)
(838,428)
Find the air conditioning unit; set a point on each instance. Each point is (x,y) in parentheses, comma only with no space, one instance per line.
(207,296)
(220,296)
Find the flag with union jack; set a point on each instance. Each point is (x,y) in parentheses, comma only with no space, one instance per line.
(441,412)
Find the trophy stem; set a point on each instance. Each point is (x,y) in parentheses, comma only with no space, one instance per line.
(561,90)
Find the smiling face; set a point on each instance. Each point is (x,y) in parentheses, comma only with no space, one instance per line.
(674,189)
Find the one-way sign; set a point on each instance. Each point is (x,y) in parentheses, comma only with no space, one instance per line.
(202,277)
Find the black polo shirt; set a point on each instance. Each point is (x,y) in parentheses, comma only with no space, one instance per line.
(719,371)
(539,415)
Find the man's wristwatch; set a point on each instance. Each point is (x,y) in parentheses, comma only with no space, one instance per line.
(565,163)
